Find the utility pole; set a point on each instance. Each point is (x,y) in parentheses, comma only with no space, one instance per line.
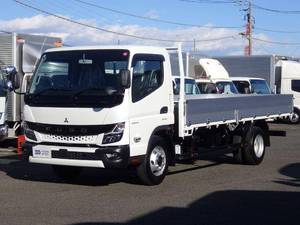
(249,27)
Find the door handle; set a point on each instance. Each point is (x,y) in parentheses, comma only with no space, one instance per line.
(164,110)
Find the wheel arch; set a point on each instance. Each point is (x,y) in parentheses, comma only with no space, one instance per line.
(166,132)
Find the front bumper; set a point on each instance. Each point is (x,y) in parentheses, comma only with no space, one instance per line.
(102,157)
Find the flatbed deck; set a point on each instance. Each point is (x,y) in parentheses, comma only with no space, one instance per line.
(207,110)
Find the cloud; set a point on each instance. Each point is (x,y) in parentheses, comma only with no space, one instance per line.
(74,34)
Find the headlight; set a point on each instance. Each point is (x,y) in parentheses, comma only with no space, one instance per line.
(28,132)
(115,135)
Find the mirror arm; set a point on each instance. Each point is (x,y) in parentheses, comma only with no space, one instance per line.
(19,93)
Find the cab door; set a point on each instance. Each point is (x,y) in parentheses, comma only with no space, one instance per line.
(150,100)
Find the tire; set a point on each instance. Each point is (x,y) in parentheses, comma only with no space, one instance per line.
(295,117)
(238,156)
(155,165)
(67,172)
(254,146)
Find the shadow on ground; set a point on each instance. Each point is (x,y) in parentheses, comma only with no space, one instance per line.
(226,207)
(14,167)
(293,172)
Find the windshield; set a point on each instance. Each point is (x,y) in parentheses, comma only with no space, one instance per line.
(207,88)
(190,87)
(243,87)
(88,78)
(260,87)
(226,87)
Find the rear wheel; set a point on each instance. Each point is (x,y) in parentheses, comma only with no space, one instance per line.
(67,172)
(253,149)
(155,166)
(295,117)
(238,155)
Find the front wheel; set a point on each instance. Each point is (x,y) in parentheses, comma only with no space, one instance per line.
(155,165)
(253,149)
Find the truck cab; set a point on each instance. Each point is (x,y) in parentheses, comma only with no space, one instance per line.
(3,99)
(190,86)
(86,105)
(288,82)
(248,85)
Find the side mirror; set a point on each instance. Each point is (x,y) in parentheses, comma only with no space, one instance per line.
(175,88)
(125,78)
(13,82)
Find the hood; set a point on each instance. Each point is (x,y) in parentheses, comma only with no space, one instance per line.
(75,116)
(213,68)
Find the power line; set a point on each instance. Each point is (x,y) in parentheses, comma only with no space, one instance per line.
(210,1)
(115,32)
(276,10)
(154,19)
(276,42)
(278,31)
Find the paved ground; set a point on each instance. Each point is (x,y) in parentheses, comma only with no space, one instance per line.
(214,191)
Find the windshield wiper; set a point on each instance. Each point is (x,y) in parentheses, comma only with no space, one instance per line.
(48,90)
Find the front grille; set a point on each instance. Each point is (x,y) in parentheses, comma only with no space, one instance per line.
(64,154)
(89,139)
(70,130)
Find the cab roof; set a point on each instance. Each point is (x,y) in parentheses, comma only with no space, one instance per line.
(246,78)
(131,48)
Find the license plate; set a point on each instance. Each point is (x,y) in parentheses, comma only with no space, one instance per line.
(41,153)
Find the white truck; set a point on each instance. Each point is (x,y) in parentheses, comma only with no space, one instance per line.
(3,96)
(23,52)
(281,73)
(113,107)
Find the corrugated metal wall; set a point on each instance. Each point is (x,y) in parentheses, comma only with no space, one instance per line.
(7,59)
(6,50)
(254,66)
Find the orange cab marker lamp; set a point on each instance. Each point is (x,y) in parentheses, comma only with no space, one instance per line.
(21,140)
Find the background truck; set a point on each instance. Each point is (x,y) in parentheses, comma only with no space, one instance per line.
(281,73)
(113,107)
(3,97)
(23,52)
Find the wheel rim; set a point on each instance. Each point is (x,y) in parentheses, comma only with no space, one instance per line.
(259,145)
(158,161)
(294,118)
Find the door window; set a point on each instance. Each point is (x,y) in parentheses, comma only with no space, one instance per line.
(296,85)
(147,76)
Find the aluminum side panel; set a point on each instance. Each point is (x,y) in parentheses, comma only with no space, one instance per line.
(215,108)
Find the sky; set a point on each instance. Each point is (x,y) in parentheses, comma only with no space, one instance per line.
(227,14)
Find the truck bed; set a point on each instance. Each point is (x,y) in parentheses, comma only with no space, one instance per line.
(212,109)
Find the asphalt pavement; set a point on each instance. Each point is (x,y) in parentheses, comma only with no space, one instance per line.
(210,192)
